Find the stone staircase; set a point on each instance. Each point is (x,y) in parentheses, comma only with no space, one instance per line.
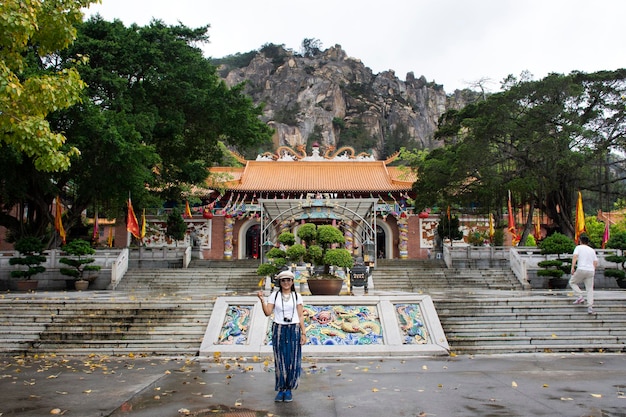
(432,275)
(152,312)
(491,322)
(229,280)
(103,322)
(166,311)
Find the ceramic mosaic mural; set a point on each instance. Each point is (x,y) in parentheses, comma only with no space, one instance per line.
(411,324)
(235,327)
(340,325)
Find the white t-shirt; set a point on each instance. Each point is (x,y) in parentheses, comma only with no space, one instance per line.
(586,257)
(285,308)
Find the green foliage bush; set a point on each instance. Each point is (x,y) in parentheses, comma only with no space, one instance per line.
(615,273)
(287,238)
(307,232)
(557,244)
(79,260)
(176,227)
(296,252)
(31,249)
(552,273)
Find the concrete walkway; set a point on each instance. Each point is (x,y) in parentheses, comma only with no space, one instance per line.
(508,385)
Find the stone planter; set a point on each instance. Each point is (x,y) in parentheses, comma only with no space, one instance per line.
(30,285)
(81,285)
(325,286)
(558,283)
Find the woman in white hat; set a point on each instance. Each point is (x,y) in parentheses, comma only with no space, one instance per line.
(288,334)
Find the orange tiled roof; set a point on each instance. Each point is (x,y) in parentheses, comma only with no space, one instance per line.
(314,176)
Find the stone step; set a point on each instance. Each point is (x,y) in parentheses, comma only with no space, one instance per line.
(527,349)
(573,342)
(145,346)
(516,325)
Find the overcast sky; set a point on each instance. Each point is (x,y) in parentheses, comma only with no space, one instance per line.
(450,42)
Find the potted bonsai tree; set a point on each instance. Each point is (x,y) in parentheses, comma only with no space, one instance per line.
(322,255)
(556,244)
(617,241)
(79,263)
(276,260)
(31,251)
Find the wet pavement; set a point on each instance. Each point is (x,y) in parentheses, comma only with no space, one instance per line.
(576,384)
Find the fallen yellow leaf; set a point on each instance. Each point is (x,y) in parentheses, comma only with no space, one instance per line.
(514,384)
(545,385)
(374,389)
(596,395)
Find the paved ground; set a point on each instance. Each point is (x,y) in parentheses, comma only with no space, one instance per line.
(507,385)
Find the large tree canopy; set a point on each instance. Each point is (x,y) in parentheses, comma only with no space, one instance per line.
(29,32)
(151,121)
(543,140)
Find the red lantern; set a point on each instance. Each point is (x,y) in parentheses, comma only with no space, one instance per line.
(207,214)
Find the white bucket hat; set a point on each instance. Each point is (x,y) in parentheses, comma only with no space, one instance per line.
(285,274)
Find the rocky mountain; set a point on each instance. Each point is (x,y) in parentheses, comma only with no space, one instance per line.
(335,100)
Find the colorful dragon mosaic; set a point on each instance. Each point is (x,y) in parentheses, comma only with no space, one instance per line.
(411,324)
(235,327)
(340,325)
(333,325)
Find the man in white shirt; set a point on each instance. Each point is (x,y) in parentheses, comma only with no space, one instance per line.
(584,265)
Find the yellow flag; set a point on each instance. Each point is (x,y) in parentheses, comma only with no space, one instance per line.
(492,230)
(110,238)
(58,222)
(143,224)
(580,217)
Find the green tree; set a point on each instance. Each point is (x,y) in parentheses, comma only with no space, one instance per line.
(30,33)
(311,47)
(449,228)
(176,227)
(31,251)
(79,260)
(154,117)
(539,139)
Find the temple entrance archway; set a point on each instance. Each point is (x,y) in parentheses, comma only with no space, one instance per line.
(357,215)
(383,241)
(249,238)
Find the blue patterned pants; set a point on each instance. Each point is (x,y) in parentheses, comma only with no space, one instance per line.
(287,355)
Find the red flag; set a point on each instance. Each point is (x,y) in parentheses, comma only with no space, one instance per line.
(132,225)
(58,222)
(607,234)
(448,212)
